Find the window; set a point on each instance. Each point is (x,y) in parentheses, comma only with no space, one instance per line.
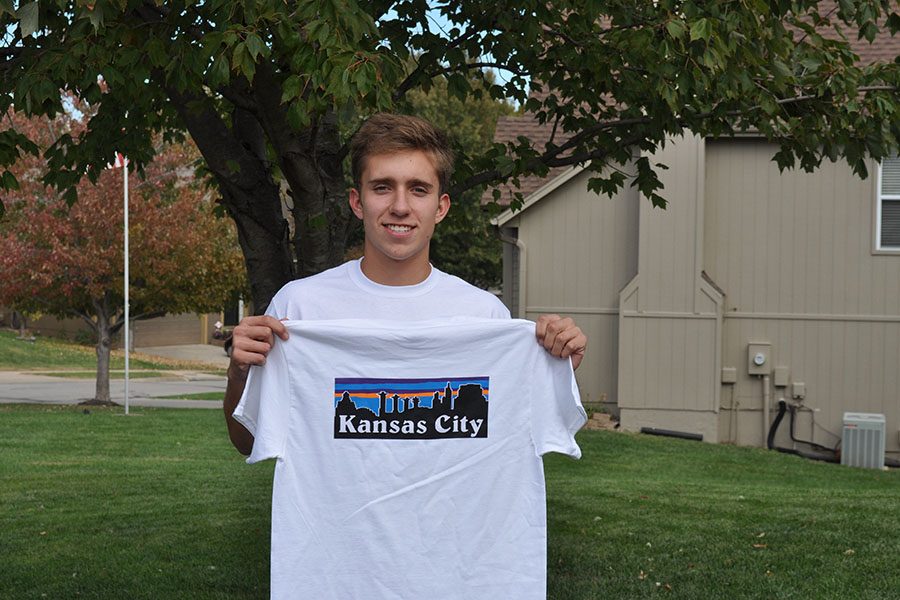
(888,219)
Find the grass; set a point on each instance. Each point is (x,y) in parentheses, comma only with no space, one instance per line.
(99,505)
(51,354)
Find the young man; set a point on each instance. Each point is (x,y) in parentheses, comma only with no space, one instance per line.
(401,170)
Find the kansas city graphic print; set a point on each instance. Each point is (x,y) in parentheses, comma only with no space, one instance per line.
(411,409)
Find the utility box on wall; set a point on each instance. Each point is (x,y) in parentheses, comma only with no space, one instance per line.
(759,358)
(862,442)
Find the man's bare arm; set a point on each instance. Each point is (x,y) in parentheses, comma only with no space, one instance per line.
(251,341)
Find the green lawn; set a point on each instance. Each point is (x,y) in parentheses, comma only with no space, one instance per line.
(45,354)
(157,505)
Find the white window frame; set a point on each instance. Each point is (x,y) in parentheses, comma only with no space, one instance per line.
(880,198)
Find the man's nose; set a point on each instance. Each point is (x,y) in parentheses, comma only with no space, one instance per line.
(400,205)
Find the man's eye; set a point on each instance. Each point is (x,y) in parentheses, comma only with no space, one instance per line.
(420,191)
(381,188)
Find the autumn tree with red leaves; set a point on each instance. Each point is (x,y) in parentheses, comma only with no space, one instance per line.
(68,261)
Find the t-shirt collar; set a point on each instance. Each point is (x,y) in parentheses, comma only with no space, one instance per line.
(392,291)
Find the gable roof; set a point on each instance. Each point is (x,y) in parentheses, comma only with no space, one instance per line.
(509,129)
(885,48)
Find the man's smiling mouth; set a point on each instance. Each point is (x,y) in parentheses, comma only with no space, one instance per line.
(399,228)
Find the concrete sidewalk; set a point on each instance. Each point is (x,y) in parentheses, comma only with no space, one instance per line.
(23,387)
(31,388)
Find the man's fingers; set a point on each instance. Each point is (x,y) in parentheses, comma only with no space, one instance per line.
(257,332)
(566,342)
(254,346)
(252,340)
(561,337)
(279,328)
(555,329)
(541,325)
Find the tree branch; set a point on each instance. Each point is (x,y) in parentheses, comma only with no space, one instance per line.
(552,158)
(481,65)
(548,159)
(410,80)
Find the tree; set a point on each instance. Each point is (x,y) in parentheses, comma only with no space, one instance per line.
(272,91)
(465,244)
(68,261)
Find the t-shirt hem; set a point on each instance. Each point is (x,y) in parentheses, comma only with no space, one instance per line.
(248,423)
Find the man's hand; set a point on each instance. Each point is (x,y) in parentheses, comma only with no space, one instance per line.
(251,341)
(561,337)
(250,344)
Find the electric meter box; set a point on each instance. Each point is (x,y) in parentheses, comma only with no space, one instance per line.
(759,358)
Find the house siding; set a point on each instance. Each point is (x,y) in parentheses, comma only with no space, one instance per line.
(580,252)
(794,252)
(670,317)
(188,328)
(744,253)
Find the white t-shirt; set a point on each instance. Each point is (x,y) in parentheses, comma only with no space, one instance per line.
(408,457)
(344,292)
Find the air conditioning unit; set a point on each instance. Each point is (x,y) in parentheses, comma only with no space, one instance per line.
(862,442)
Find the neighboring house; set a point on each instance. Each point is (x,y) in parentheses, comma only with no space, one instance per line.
(804,268)
(169,330)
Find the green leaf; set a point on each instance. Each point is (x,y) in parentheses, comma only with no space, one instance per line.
(241,60)
(70,196)
(8,181)
(218,72)
(96,17)
(156,52)
(701,30)
(894,23)
(28,18)
(291,88)
(811,63)
(255,46)
(675,28)
(297,116)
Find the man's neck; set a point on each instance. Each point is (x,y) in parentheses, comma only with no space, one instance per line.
(395,273)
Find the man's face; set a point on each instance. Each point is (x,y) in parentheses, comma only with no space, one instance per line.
(399,202)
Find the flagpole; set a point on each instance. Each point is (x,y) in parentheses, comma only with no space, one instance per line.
(127,337)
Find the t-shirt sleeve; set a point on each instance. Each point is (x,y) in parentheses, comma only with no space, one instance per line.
(500,311)
(556,411)
(265,405)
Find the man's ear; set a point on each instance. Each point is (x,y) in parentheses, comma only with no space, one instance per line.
(443,207)
(356,203)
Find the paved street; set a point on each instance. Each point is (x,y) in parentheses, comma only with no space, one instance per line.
(41,389)
(23,387)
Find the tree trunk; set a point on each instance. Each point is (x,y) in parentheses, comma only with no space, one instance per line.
(104,340)
(248,190)
(322,214)
(312,163)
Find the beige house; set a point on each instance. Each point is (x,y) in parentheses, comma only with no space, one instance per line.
(751,287)
(168,330)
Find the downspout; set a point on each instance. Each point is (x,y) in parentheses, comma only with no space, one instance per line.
(520,245)
(766,399)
